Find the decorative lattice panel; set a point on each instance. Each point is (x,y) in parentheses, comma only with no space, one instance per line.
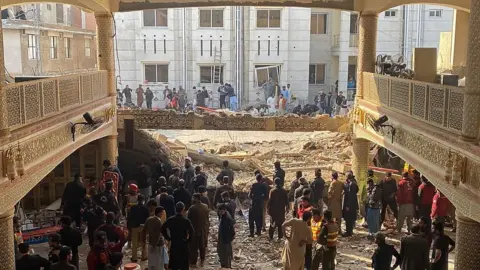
(455,110)
(382,86)
(436,104)
(399,98)
(14,104)
(419,97)
(49,88)
(69,91)
(86,87)
(96,85)
(32,101)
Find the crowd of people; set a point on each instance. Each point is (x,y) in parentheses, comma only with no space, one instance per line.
(167,214)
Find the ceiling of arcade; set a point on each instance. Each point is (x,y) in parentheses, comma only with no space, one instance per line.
(364,6)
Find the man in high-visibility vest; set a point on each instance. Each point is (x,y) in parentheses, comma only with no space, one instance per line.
(328,240)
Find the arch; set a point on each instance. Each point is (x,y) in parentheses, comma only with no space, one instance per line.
(464,199)
(17,189)
(377,6)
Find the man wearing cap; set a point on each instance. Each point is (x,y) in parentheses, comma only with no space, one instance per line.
(188,173)
(382,257)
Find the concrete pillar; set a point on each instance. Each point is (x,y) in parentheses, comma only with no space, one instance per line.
(459,41)
(344,41)
(467,256)
(4,131)
(109,148)
(361,150)
(7,254)
(367,48)
(471,100)
(105,47)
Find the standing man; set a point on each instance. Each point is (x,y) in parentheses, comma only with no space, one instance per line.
(329,104)
(158,171)
(182,98)
(293,186)
(156,244)
(339,102)
(144,180)
(440,206)
(328,240)
(70,237)
(166,201)
(188,173)
(139,93)
(389,187)
(200,179)
(65,256)
(226,234)
(414,251)
(350,204)
(223,95)
(268,89)
(442,246)
(258,194)
(405,202)
(149,97)
(277,207)
(174,178)
(178,230)
(382,257)
(72,199)
(198,214)
(224,187)
(335,197)
(181,194)
(293,255)
(226,171)
(374,201)
(136,218)
(279,172)
(27,261)
(320,100)
(426,192)
(318,187)
(109,167)
(127,92)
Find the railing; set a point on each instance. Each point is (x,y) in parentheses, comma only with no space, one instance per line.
(436,104)
(336,41)
(31,101)
(353,42)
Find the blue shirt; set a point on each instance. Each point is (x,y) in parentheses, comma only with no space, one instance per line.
(285,93)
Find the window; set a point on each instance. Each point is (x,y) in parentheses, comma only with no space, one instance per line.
(435,13)
(353,23)
(211,18)
(391,13)
(32,47)
(264,73)
(49,7)
(53,47)
(156,73)
(59,8)
(207,74)
(268,18)
(318,24)
(88,50)
(68,47)
(316,74)
(155,17)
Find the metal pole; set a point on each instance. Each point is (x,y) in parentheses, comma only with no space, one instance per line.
(184,33)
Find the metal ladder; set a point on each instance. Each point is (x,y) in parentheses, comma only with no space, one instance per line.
(217,75)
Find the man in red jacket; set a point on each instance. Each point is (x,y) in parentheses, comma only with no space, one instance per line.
(439,207)
(405,201)
(426,191)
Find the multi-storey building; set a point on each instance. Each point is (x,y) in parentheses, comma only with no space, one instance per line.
(48,39)
(310,49)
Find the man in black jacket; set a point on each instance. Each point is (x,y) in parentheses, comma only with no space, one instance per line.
(30,262)
(71,237)
(166,201)
(200,179)
(318,187)
(158,171)
(178,230)
(135,220)
(144,180)
(188,173)
(72,199)
(181,194)
(279,172)
(226,234)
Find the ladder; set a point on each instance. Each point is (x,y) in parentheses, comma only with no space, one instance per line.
(217,75)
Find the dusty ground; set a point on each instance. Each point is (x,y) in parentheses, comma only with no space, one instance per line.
(259,252)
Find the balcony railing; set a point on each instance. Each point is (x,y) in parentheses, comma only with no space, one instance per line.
(353,40)
(336,41)
(439,105)
(28,102)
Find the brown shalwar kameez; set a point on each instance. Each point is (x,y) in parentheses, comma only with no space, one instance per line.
(198,214)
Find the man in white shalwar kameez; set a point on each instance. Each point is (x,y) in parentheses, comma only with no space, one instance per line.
(293,255)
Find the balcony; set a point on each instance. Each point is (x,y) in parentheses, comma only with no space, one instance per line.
(353,42)
(435,104)
(30,102)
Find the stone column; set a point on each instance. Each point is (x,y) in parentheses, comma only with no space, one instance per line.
(7,254)
(471,99)
(105,47)
(4,131)
(361,150)
(467,256)
(367,48)
(109,148)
